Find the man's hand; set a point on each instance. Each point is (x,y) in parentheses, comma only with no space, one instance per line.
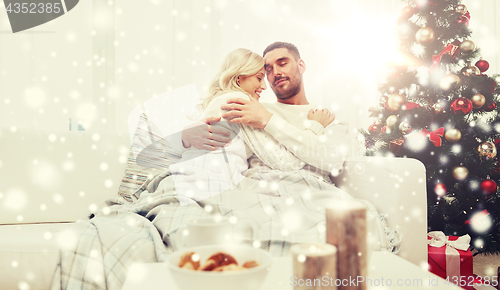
(324,117)
(197,135)
(247,112)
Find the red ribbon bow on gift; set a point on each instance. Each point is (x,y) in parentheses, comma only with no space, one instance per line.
(449,49)
(435,136)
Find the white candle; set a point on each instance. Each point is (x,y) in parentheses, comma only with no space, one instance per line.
(314,266)
(346,229)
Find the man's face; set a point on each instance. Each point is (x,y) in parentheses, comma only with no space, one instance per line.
(283,73)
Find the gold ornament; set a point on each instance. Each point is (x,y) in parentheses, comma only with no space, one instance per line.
(391,121)
(450,82)
(467,46)
(478,101)
(453,135)
(487,150)
(462,9)
(460,173)
(438,108)
(425,35)
(470,70)
(404,127)
(396,101)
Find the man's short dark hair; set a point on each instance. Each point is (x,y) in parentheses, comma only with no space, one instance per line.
(278,44)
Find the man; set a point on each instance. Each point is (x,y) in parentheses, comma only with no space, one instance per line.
(322,149)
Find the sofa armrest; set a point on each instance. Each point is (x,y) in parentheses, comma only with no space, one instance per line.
(397,188)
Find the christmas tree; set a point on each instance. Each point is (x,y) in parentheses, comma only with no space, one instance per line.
(439,106)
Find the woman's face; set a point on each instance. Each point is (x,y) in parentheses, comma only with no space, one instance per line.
(254,84)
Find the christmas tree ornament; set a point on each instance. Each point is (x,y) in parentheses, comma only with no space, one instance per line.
(395,145)
(410,106)
(425,35)
(391,121)
(450,49)
(488,186)
(407,11)
(383,101)
(434,136)
(460,173)
(461,8)
(440,189)
(467,46)
(405,127)
(450,82)
(438,108)
(470,70)
(478,101)
(374,129)
(461,105)
(379,122)
(385,130)
(482,65)
(462,19)
(453,135)
(490,107)
(487,150)
(395,102)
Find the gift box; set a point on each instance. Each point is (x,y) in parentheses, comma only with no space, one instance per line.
(450,258)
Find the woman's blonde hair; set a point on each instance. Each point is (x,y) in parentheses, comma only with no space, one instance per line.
(239,62)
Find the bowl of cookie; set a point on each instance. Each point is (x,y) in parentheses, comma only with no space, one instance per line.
(224,267)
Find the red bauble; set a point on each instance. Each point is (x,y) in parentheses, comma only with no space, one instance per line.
(482,65)
(488,186)
(440,189)
(461,105)
(463,20)
(490,107)
(374,129)
(407,11)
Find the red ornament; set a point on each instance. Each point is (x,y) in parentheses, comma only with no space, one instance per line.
(463,20)
(407,11)
(490,107)
(374,129)
(463,105)
(440,189)
(395,145)
(482,65)
(410,106)
(488,186)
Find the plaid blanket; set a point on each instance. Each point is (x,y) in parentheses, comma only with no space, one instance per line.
(274,208)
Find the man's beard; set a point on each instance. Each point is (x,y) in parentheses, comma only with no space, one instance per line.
(290,92)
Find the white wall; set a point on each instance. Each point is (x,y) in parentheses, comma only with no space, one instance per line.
(103,58)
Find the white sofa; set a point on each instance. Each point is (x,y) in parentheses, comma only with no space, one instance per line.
(50,180)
